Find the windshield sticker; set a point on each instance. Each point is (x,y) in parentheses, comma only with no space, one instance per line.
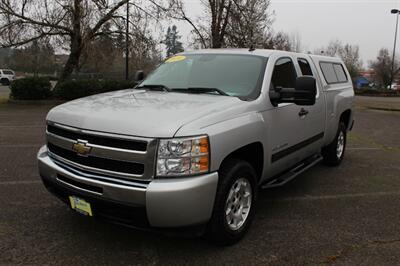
(176,59)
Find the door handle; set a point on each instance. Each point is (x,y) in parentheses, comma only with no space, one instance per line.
(303,112)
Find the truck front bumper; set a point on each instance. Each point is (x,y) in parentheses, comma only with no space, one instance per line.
(161,203)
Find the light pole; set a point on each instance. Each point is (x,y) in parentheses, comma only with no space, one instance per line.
(127,43)
(397,12)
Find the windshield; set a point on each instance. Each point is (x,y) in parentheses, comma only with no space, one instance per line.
(234,75)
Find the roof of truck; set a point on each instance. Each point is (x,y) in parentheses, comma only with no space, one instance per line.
(259,52)
(262,52)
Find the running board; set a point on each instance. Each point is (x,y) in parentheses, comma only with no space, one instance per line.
(287,176)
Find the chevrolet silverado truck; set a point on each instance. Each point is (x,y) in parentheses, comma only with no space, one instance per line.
(191,145)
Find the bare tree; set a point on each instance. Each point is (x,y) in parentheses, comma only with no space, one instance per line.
(350,54)
(211,30)
(382,66)
(105,55)
(295,41)
(76,22)
(334,48)
(177,11)
(277,41)
(249,24)
(220,11)
(236,23)
(36,58)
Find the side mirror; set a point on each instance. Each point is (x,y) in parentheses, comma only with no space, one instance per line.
(139,75)
(303,94)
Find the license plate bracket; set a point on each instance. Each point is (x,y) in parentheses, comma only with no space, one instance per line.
(81,205)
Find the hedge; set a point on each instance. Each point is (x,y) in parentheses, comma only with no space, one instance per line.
(380,92)
(73,89)
(31,88)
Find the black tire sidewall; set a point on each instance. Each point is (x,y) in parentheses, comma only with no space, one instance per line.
(218,228)
(5,82)
(342,128)
(329,152)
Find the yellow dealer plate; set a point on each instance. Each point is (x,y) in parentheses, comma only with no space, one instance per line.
(80,205)
(176,58)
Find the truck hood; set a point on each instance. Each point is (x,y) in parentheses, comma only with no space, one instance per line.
(139,112)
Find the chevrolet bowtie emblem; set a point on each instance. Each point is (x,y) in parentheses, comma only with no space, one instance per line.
(81,148)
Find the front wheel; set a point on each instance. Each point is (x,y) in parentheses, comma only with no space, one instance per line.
(234,203)
(333,153)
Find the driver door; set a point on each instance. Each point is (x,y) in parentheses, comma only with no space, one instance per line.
(290,135)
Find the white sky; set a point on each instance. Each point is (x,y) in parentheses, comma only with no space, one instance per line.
(366,23)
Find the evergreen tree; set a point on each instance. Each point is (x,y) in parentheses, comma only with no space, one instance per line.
(172,42)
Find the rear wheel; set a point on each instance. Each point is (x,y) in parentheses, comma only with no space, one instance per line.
(234,203)
(333,153)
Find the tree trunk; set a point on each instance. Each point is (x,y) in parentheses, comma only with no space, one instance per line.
(219,22)
(71,65)
(216,40)
(74,57)
(215,43)
(215,37)
(76,43)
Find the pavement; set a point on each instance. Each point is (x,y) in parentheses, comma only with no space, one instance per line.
(348,215)
(4,91)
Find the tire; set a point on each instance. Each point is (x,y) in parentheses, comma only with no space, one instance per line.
(5,82)
(233,174)
(333,153)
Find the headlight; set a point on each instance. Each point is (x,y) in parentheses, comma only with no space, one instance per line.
(183,156)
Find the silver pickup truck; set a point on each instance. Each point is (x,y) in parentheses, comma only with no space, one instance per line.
(191,145)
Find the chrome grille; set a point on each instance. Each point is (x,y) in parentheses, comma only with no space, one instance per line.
(136,145)
(116,156)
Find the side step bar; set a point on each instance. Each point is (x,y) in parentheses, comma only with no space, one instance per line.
(287,176)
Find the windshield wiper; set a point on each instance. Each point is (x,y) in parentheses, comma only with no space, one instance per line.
(202,90)
(155,87)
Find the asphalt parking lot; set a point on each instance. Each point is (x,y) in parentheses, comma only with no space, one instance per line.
(347,215)
(4,91)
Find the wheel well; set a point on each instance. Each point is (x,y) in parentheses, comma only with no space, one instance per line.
(345,117)
(252,153)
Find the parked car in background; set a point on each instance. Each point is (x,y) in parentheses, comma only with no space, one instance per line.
(394,87)
(361,82)
(191,145)
(6,76)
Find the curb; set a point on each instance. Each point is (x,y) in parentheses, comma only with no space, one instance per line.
(378,95)
(36,102)
(383,109)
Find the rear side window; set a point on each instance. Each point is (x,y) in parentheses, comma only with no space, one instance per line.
(8,72)
(284,74)
(305,67)
(340,72)
(333,72)
(329,73)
